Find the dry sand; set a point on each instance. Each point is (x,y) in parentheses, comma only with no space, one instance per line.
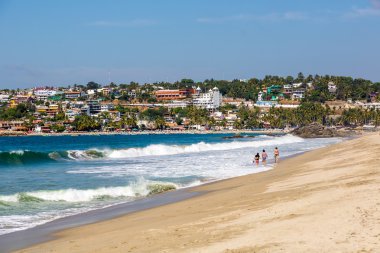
(327,200)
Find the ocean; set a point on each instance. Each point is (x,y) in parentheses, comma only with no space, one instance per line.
(46,178)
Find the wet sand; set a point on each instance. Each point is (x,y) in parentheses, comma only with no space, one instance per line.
(45,232)
(326,200)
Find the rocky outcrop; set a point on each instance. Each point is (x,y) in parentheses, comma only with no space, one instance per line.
(316,130)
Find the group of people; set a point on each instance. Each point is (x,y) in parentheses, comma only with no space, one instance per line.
(264,157)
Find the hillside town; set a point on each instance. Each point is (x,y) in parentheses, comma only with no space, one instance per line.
(271,103)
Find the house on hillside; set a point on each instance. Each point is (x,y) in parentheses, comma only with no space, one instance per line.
(332,87)
(298,94)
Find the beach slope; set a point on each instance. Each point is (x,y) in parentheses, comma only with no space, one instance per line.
(326,200)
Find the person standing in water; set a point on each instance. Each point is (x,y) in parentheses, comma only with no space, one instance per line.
(257,159)
(276,155)
(264,156)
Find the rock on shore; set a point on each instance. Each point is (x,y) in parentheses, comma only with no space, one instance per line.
(316,130)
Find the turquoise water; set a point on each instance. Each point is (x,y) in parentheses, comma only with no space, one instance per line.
(45,178)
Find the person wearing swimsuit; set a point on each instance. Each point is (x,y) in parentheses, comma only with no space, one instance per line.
(276,155)
(264,157)
(257,159)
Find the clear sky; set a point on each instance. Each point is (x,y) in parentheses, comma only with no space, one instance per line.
(45,42)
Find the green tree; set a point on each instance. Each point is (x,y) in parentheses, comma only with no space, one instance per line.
(92,85)
(86,123)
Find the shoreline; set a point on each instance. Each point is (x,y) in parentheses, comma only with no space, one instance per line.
(319,201)
(345,131)
(272,131)
(46,232)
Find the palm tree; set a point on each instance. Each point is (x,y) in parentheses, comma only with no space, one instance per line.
(160,123)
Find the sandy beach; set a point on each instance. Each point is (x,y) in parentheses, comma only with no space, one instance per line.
(326,200)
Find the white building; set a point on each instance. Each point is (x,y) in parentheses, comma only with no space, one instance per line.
(43,94)
(91,92)
(298,94)
(72,113)
(4,98)
(105,107)
(297,85)
(265,104)
(260,96)
(74,94)
(132,93)
(210,100)
(332,87)
(177,104)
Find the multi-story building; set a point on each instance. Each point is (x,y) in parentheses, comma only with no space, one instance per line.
(173,94)
(85,110)
(50,110)
(94,107)
(298,93)
(233,101)
(11,125)
(288,89)
(72,113)
(131,93)
(53,110)
(177,104)
(106,106)
(73,94)
(91,92)
(210,100)
(22,98)
(44,94)
(265,104)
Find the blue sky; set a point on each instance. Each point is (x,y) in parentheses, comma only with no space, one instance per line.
(44,42)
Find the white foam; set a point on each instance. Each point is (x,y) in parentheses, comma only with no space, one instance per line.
(161,150)
(18,152)
(197,161)
(139,188)
(87,154)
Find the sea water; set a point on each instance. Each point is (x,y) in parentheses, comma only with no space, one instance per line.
(45,178)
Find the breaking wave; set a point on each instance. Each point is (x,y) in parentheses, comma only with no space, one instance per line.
(27,157)
(160,150)
(139,189)
(23,157)
(33,157)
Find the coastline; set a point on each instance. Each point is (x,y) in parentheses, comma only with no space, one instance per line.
(296,207)
(264,131)
(45,232)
